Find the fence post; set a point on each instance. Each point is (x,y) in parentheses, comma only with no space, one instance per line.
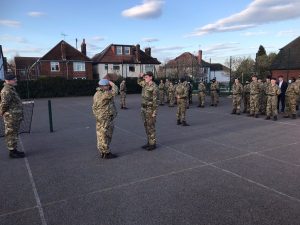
(50,116)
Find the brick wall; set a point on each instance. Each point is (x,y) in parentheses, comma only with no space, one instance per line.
(287,74)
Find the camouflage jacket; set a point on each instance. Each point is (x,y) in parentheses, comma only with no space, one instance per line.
(10,101)
(292,90)
(161,86)
(181,91)
(214,86)
(246,89)
(201,87)
(171,88)
(254,88)
(273,90)
(237,89)
(103,104)
(149,94)
(123,87)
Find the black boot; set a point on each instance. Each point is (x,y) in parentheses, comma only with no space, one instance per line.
(178,122)
(275,118)
(256,115)
(145,146)
(16,154)
(233,111)
(108,155)
(151,147)
(184,124)
(294,116)
(268,117)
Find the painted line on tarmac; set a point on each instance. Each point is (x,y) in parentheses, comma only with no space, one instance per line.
(35,192)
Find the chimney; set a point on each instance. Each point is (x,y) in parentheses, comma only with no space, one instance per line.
(63,51)
(199,56)
(148,51)
(83,47)
(137,53)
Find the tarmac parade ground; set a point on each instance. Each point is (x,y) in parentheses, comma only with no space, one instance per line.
(223,169)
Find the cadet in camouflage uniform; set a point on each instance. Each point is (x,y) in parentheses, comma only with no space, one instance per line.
(167,84)
(262,97)
(201,94)
(291,95)
(12,111)
(246,97)
(265,97)
(149,108)
(161,88)
(123,91)
(214,87)
(171,94)
(105,112)
(254,97)
(237,91)
(272,99)
(181,93)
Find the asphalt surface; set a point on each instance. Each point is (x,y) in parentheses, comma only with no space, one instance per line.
(223,169)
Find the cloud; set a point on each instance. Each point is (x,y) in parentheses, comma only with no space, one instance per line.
(150,39)
(287,33)
(18,51)
(97,38)
(256,33)
(257,13)
(10,38)
(166,49)
(10,23)
(220,47)
(36,14)
(149,9)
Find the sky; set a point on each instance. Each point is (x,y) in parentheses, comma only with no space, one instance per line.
(220,28)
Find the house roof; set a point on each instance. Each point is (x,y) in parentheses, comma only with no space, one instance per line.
(24,62)
(108,55)
(288,57)
(71,53)
(218,67)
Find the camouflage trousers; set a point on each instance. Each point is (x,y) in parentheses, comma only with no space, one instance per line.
(171,99)
(149,124)
(167,96)
(272,106)
(246,103)
(181,109)
(262,103)
(236,103)
(290,105)
(123,99)
(104,131)
(12,126)
(201,98)
(254,104)
(214,97)
(161,97)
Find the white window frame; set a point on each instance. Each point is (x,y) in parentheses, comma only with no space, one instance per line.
(54,66)
(127,50)
(79,66)
(119,50)
(131,66)
(149,67)
(116,65)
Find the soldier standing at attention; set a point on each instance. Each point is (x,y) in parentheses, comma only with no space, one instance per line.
(12,111)
(161,88)
(272,99)
(201,94)
(291,95)
(104,110)
(181,93)
(214,86)
(262,92)
(123,91)
(247,97)
(237,91)
(149,108)
(167,83)
(254,97)
(171,94)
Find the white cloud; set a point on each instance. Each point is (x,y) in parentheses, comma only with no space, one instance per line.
(287,33)
(220,47)
(10,38)
(19,51)
(97,38)
(36,14)
(10,23)
(150,39)
(254,33)
(257,13)
(149,9)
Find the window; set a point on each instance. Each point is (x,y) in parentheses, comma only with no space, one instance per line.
(54,66)
(78,66)
(131,68)
(127,50)
(106,66)
(116,67)
(119,50)
(149,67)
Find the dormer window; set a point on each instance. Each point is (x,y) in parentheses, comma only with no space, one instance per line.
(127,50)
(119,50)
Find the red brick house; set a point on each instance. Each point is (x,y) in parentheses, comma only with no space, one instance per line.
(287,62)
(63,60)
(24,68)
(124,60)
